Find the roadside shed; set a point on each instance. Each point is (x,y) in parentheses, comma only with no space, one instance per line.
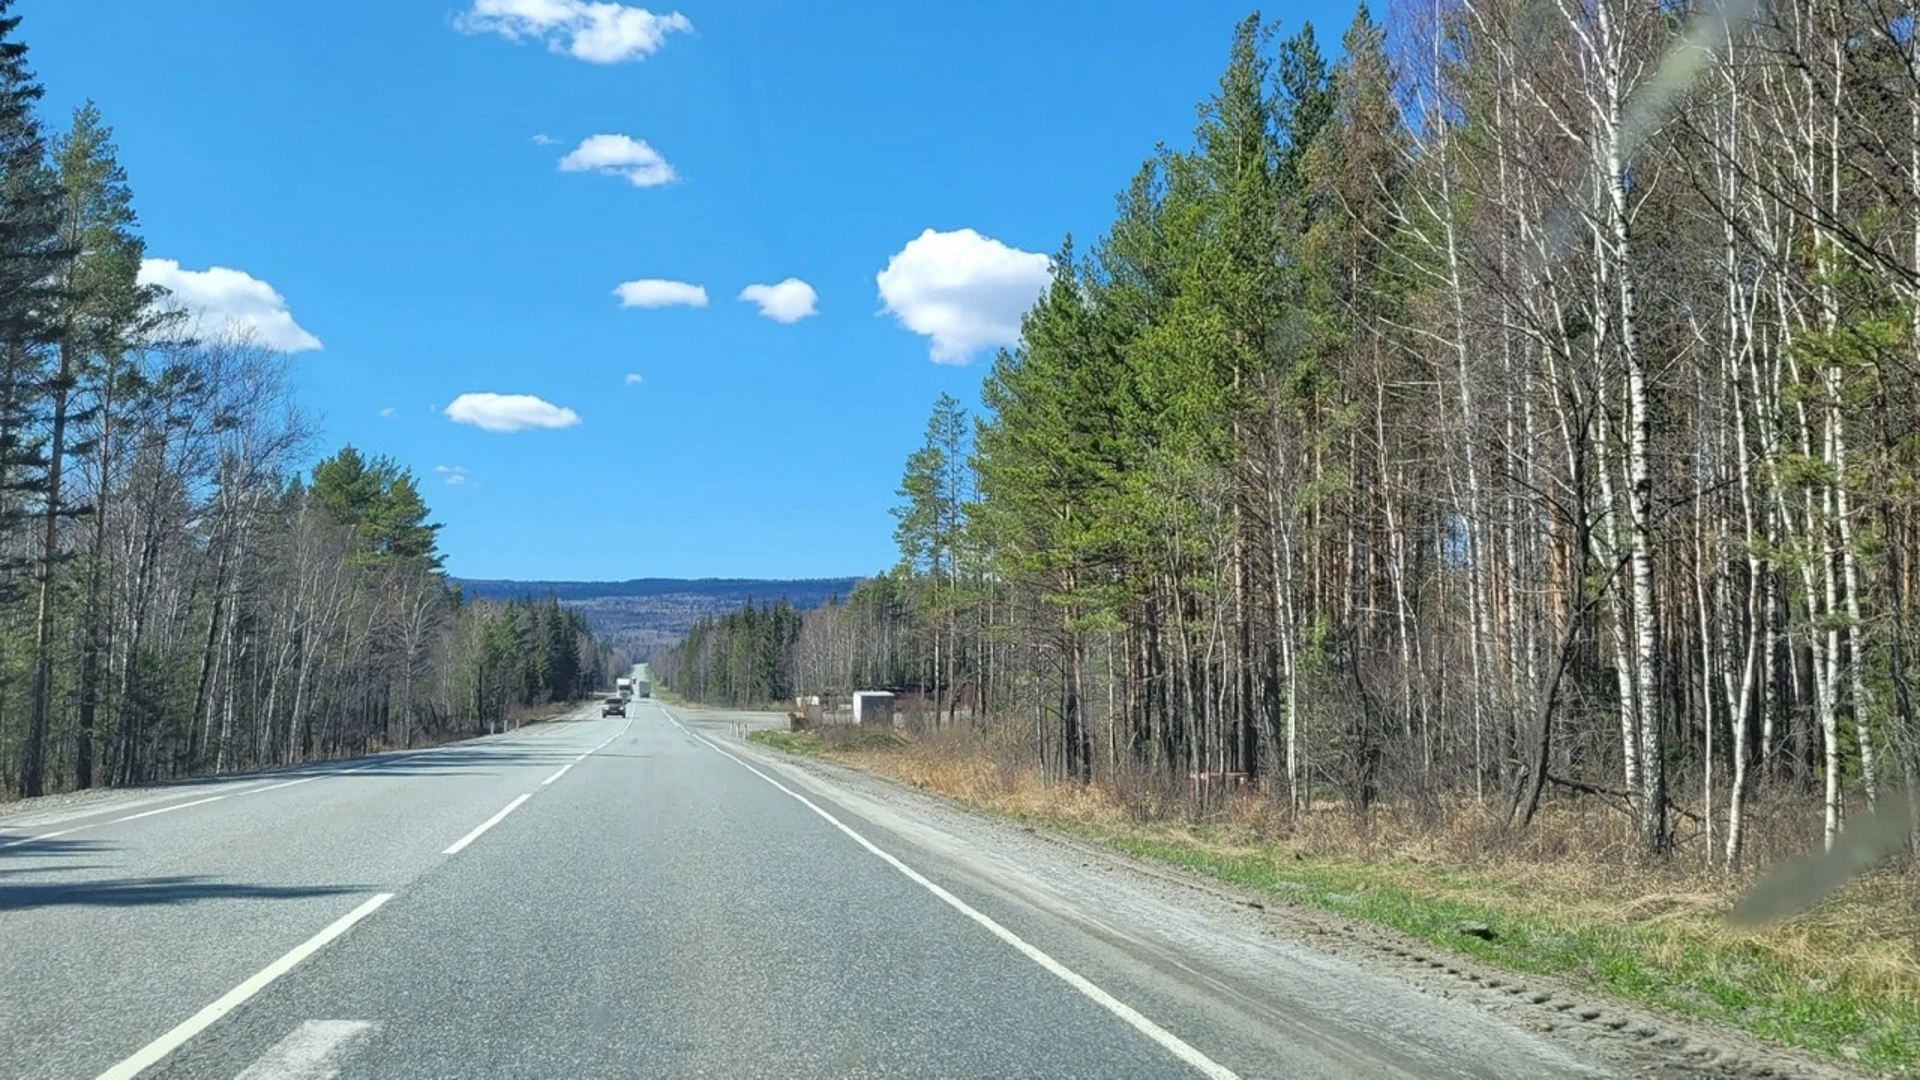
(872,707)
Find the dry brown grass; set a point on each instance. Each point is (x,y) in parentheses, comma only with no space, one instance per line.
(986,771)
(518,715)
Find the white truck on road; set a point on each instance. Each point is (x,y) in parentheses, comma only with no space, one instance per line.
(625,686)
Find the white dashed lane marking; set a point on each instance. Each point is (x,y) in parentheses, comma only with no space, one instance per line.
(234,998)
(485,825)
(312,1051)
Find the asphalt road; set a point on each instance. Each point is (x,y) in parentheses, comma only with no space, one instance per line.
(637,898)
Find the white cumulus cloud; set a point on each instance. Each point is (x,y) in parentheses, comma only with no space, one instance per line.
(386,413)
(509,412)
(619,155)
(224,301)
(659,292)
(541,138)
(787,302)
(597,32)
(453,474)
(964,291)
(634,380)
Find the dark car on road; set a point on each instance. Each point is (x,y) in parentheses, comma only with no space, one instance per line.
(614,706)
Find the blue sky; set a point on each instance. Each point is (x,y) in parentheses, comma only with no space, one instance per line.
(420,186)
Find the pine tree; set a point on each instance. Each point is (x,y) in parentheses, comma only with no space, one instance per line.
(32,256)
(102,316)
(929,533)
(1047,458)
(379,503)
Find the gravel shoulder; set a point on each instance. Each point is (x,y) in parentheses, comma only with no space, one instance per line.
(1209,932)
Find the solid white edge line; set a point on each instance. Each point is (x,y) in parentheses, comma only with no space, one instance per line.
(487,824)
(383,760)
(118,820)
(142,814)
(44,836)
(560,773)
(182,806)
(1174,1044)
(159,1048)
(277,787)
(169,809)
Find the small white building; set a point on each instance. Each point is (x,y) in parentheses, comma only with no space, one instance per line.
(873,707)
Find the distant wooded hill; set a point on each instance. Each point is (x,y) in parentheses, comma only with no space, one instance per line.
(645,614)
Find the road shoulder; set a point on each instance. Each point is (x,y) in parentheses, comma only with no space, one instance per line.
(1632,1040)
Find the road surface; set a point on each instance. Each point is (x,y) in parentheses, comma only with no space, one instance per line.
(650,897)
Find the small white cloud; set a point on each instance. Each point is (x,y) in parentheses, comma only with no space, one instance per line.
(596,31)
(541,138)
(509,412)
(965,291)
(787,302)
(659,292)
(386,413)
(619,155)
(452,474)
(224,301)
(634,380)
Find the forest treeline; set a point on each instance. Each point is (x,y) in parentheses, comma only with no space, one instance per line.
(766,653)
(1526,401)
(176,596)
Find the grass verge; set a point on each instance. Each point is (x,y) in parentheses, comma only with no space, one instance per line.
(1661,952)
(522,715)
(793,742)
(1842,981)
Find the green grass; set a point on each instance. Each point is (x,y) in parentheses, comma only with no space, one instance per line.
(1672,966)
(837,738)
(793,742)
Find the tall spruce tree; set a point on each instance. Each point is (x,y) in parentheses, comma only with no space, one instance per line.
(32,255)
(100,317)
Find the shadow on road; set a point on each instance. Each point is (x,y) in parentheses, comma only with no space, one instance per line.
(26,846)
(65,868)
(386,762)
(140,892)
(478,761)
